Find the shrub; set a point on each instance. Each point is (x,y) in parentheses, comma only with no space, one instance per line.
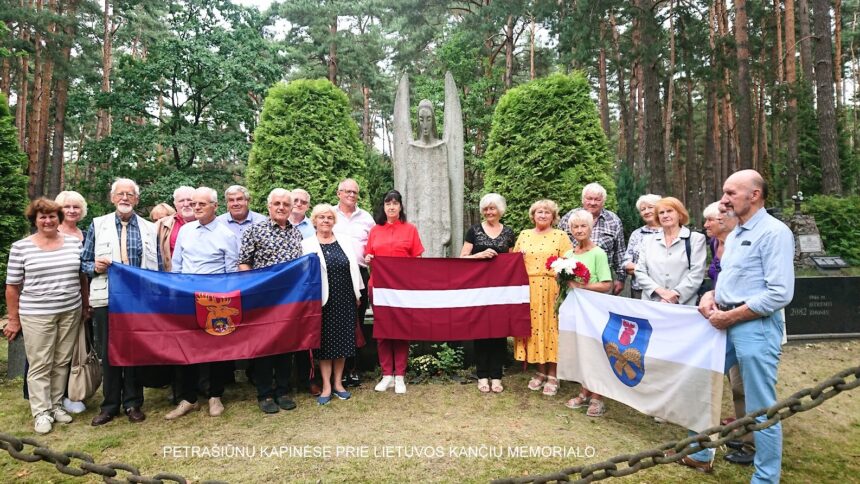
(446,362)
(547,142)
(306,138)
(13,188)
(838,221)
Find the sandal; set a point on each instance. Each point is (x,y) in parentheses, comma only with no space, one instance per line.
(537,382)
(578,402)
(550,388)
(483,385)
(497,386)
(596,409)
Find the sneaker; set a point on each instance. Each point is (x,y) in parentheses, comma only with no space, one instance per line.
(384,384)
(72,406)
(43,423)
(216,408)
(61,415)
(399,384)
(184,408)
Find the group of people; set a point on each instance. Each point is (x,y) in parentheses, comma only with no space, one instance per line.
(57,278)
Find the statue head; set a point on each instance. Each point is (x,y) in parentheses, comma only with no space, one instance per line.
(426,121)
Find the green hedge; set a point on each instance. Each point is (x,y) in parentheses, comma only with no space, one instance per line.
(547,142)
(838,220)
(306,138)
(13,189)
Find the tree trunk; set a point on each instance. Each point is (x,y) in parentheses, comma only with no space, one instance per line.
(792,164)
(830,177)
(745,119)
(837,39)
(366,130)
(625,124)
(603,95)
(55,183)
(532,28)
(6,77)
(691,164)
(332,51)
(670,90)
(103,126)
(21,107)
(805,40)
(509,53)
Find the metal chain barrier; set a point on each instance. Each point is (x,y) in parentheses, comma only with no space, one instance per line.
(629,463)
(85,464)
(626,464)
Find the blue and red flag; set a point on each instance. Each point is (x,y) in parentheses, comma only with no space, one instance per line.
(162,318)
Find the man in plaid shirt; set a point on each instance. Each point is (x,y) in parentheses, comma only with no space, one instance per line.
(607,233)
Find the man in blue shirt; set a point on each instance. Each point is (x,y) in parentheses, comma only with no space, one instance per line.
(239,217)
(205,246)
(298,217)
(756,281)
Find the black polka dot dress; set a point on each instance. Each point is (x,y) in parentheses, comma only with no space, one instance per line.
(339,313)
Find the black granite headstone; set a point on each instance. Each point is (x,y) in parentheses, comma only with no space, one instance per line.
(824,306)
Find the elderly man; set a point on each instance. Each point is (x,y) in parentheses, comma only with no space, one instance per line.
(756,281)
(298,219)
(168,227)
(607,233)
(265,244)
(121,237)
(205,246)
(239,217)
(354,224)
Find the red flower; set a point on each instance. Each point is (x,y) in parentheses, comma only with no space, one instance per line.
(581,272)
(550,260)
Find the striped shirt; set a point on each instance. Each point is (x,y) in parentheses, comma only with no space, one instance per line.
(51,279)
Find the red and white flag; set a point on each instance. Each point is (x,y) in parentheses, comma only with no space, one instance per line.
(450,299)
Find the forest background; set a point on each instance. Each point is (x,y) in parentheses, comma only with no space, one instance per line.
(170,93)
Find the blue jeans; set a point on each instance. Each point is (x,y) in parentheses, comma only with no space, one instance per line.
(756,346)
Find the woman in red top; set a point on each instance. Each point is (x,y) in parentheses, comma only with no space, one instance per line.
(394,237)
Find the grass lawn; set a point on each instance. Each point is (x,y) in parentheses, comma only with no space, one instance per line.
(436,432)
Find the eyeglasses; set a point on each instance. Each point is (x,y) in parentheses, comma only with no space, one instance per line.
(351,192)
(200,204)
(125,195)
(299,201)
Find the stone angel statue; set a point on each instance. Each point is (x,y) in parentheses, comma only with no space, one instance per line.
(428,171)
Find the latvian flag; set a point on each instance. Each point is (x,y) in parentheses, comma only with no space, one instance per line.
(450,299)
(664,360)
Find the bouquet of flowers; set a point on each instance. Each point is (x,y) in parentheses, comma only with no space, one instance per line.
(567,269)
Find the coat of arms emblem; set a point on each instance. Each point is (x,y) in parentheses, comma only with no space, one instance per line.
(218,312)
(625,341)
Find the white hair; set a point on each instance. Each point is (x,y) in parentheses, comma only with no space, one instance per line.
(212,194)
(279,192)
(302,191)
(72,197)
(125,181)
(712,210)
(595,188)
(237,188)
(183,188)
(344,182)
(649,199)
(581,215)
(493,199)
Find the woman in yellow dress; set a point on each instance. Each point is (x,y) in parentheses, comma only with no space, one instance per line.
(537,245)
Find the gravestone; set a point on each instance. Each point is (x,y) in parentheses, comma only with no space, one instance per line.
(16,359)
(428,171)
(807,238)
(824,307)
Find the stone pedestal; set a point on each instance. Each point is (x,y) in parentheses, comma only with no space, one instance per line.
(17,357)
(807,239)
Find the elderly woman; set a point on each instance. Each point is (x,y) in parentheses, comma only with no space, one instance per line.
(672,263)
(74,209)
(44,291)
(580,223)
(160,211)
(341,295)
(485,241)
(392,236)
(645,206)
(537,245)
